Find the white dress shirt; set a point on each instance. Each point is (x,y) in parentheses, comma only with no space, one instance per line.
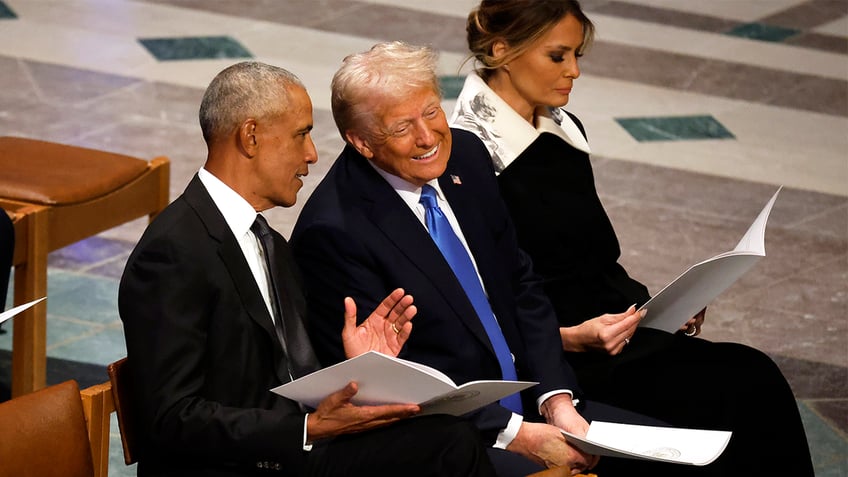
(239,216)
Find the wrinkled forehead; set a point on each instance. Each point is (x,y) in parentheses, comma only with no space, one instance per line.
(402,104)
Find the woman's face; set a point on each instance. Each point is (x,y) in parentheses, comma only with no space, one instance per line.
(544,74)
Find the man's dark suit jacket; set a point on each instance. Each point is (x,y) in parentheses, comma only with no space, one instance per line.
(356,237)
(202,348)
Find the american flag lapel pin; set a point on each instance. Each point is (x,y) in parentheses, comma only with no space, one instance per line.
(456,180)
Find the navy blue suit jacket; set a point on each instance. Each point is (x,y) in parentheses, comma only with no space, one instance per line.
(356,237)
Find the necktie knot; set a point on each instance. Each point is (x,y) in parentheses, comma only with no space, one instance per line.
(260,226)
(428,197)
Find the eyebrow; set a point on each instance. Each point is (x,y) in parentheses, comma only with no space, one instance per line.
(435,103)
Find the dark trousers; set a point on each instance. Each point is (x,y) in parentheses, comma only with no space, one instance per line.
(699,384)
(419,447)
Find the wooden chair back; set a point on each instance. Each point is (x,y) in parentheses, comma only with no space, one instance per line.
(122,397)
(44,434)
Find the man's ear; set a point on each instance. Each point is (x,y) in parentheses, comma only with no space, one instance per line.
(359,143)
(246,137)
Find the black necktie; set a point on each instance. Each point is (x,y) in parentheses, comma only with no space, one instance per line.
(299,356)
(263,233)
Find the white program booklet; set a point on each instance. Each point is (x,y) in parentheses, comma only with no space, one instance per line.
(692,291)
(14,311)
(386,380)
(665,444)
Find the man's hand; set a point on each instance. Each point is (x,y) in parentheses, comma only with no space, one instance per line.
(693,326)
(545,444)
(336,415)
(607,333)
(559,411)
(385,330)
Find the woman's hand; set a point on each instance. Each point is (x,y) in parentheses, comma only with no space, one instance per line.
(607,333)
(693,326)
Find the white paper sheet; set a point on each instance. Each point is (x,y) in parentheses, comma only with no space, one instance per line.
(387,380)
(664,444)
(689,293)
(16,310)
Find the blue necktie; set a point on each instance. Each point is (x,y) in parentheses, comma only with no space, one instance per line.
(459,261)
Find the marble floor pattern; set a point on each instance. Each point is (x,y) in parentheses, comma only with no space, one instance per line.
(696,112)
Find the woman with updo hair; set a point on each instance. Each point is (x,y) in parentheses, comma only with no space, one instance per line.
(526,54)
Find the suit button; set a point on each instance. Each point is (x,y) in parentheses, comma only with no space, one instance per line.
(277,466)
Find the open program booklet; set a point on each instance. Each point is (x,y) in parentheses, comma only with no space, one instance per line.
(665,444)
(692,291)
(386,380)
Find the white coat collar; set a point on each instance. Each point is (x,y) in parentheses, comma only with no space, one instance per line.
(504,132)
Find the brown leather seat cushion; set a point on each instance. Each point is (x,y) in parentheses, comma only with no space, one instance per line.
(43,434)
(56,174)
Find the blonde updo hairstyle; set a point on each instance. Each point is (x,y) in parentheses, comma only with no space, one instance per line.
(518,23)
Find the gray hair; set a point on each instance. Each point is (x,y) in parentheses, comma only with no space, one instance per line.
(388,71)
(249,89)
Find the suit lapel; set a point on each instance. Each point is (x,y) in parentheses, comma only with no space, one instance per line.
(470,211)
(233,258)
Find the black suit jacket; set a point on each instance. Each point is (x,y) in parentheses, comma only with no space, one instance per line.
(356,237)
(550,192)
(202,348)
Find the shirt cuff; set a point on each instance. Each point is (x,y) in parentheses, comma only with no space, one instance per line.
(306,445)
(506,435)
(548,395)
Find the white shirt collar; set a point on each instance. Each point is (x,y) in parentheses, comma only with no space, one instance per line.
(504,132)
(237,212)
(410,193)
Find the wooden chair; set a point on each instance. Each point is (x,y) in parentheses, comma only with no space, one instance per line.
(57,431)
(57,195)
(97,405)
(122,397)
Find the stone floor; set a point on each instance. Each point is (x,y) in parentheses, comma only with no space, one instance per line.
(696,113)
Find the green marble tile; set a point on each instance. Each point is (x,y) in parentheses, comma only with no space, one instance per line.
(674,128)
(82,297)
(451,86)
(194,48)
(59,330)
(829,449)
(762,32)
(76,303)
(6,12)
(102,346)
